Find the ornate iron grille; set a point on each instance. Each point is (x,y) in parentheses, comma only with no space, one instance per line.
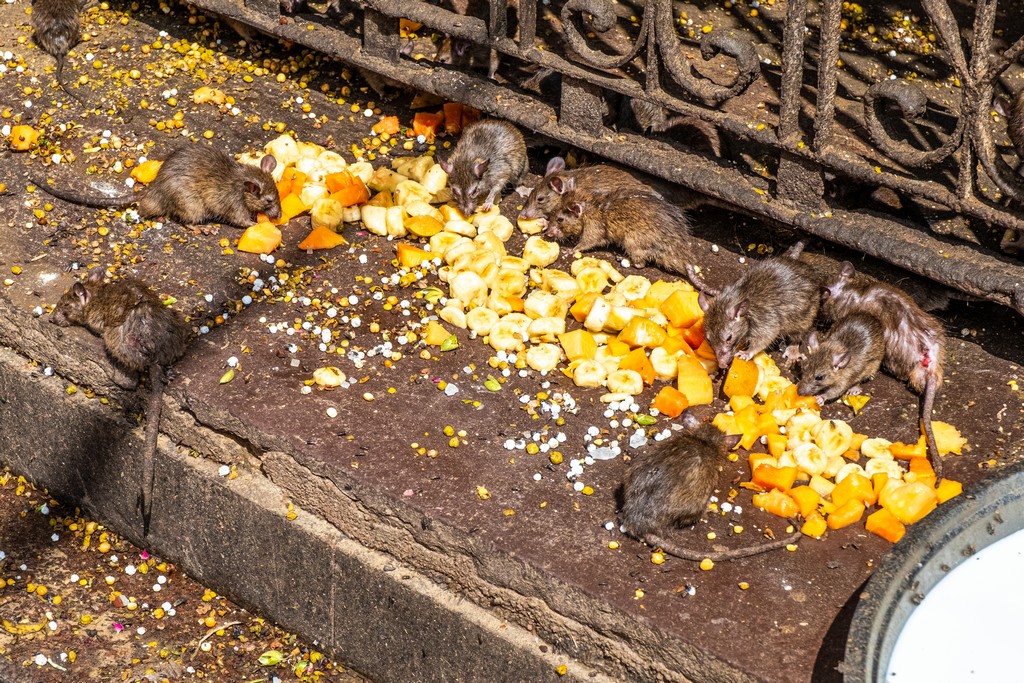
(804,119)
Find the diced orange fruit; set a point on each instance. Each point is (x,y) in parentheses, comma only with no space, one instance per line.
(637,360)
(947,438)
(617,348)
(382,198)
(777,503)
(673,344)
(262,238)
(853,487)
(694,381)
(427,124)
(578,345)
(23,138)
(768,477)
(846,514)
(423,226)
(694,337)
(641,331)
(436,334)
(807,498)
(777,444)
(814,526)
(410,256)
(453,118)
(681,309)
(347,189)
(741,379)
(909,502)
(882,523)
(291,206)
(146,172)
(670,402)
(322,238)
(387,124)
(947,489)
(905,451)
(921,470)
(581,308)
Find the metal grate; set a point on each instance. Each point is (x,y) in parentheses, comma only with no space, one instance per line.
(803,117)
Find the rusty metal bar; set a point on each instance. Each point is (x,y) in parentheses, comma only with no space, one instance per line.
(577,121)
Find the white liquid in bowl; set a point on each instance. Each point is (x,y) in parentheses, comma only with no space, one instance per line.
(969,626)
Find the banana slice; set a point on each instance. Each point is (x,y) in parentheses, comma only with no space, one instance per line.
(454,315)
(395,218)
(499,303)
(591,280)
(882,464)
(543,357)
(443,241)
(541,304)
(625,382)
(409,191)
(481,320)
(591,262)
(469,288)
(833,437)
(810,459)
(514,263)
(848,469)
(559,283)
(506,336)
(598,316)
(374,218)
(510,282)
(876,448)
(530,227)
(545,330)
(539,252)
(666,365)
(497,224)
(491,242)
(476,261)
(460,227)
(834,464)
(418,207)
(798,427)
(435,179)
(632,287)
(589,373)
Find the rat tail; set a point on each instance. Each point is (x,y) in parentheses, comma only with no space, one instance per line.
(157,383)
(67,88)
(82,198)
(927,402)
(721,555)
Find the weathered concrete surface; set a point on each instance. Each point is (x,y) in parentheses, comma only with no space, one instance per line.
(387,616)
(532,561)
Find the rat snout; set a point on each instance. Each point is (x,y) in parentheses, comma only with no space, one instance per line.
(274,211)
(467,209)
(59,319)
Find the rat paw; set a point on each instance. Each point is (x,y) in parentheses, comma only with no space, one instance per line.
(792,354)
(204,229)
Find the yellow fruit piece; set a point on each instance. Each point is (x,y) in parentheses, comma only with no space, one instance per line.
(947,438)
(578,345)
(435,334)
(262,238)
(146,172)
(856,402)
(694,381)
(322,238)
(410,256)
(742,378)
(23,138)
(423,226)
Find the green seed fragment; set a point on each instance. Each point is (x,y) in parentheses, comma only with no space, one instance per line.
(227,376)
(645,420)
(492,384)
(450,344)
(271,658)
(432,294)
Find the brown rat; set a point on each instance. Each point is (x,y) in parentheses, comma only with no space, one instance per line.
(545,199)
(490,155)
(668,486)
(775,297)
(649,229)
(1013,110)
(140,333)
(915,346)
(196,184)
(850,353)
(58,28)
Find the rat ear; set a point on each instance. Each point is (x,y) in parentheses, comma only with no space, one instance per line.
(576,209)
(251,187)
(840,360)
(96,274)
(812,341)
(555,165)
(704,301)
(446,165)
(1001,105)
(732,440)
(847,271)
(79,290)
(480,167)
(268,163)
(738,310)
(558,185)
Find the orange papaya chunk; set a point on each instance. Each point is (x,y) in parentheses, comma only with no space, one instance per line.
(670,402)
(883,523)
(741,379)
(846,514)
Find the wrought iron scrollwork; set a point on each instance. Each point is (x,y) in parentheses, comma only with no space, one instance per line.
(603,19)
(912,103)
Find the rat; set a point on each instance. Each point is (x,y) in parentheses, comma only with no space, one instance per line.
(58,28)
(141,334)
(545,199)
(1013,110)
(774,297)
(195,185)
(915,346)
(648,229)
(490,155)
(850,353)
(668,487)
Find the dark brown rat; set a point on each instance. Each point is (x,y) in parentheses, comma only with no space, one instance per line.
(1013,110)
(915,346)
(648,229)
(140,333)
(58,28)
(490,155)
(775,297)
(850,353)
(196,184)
(545,199)
(667,487)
